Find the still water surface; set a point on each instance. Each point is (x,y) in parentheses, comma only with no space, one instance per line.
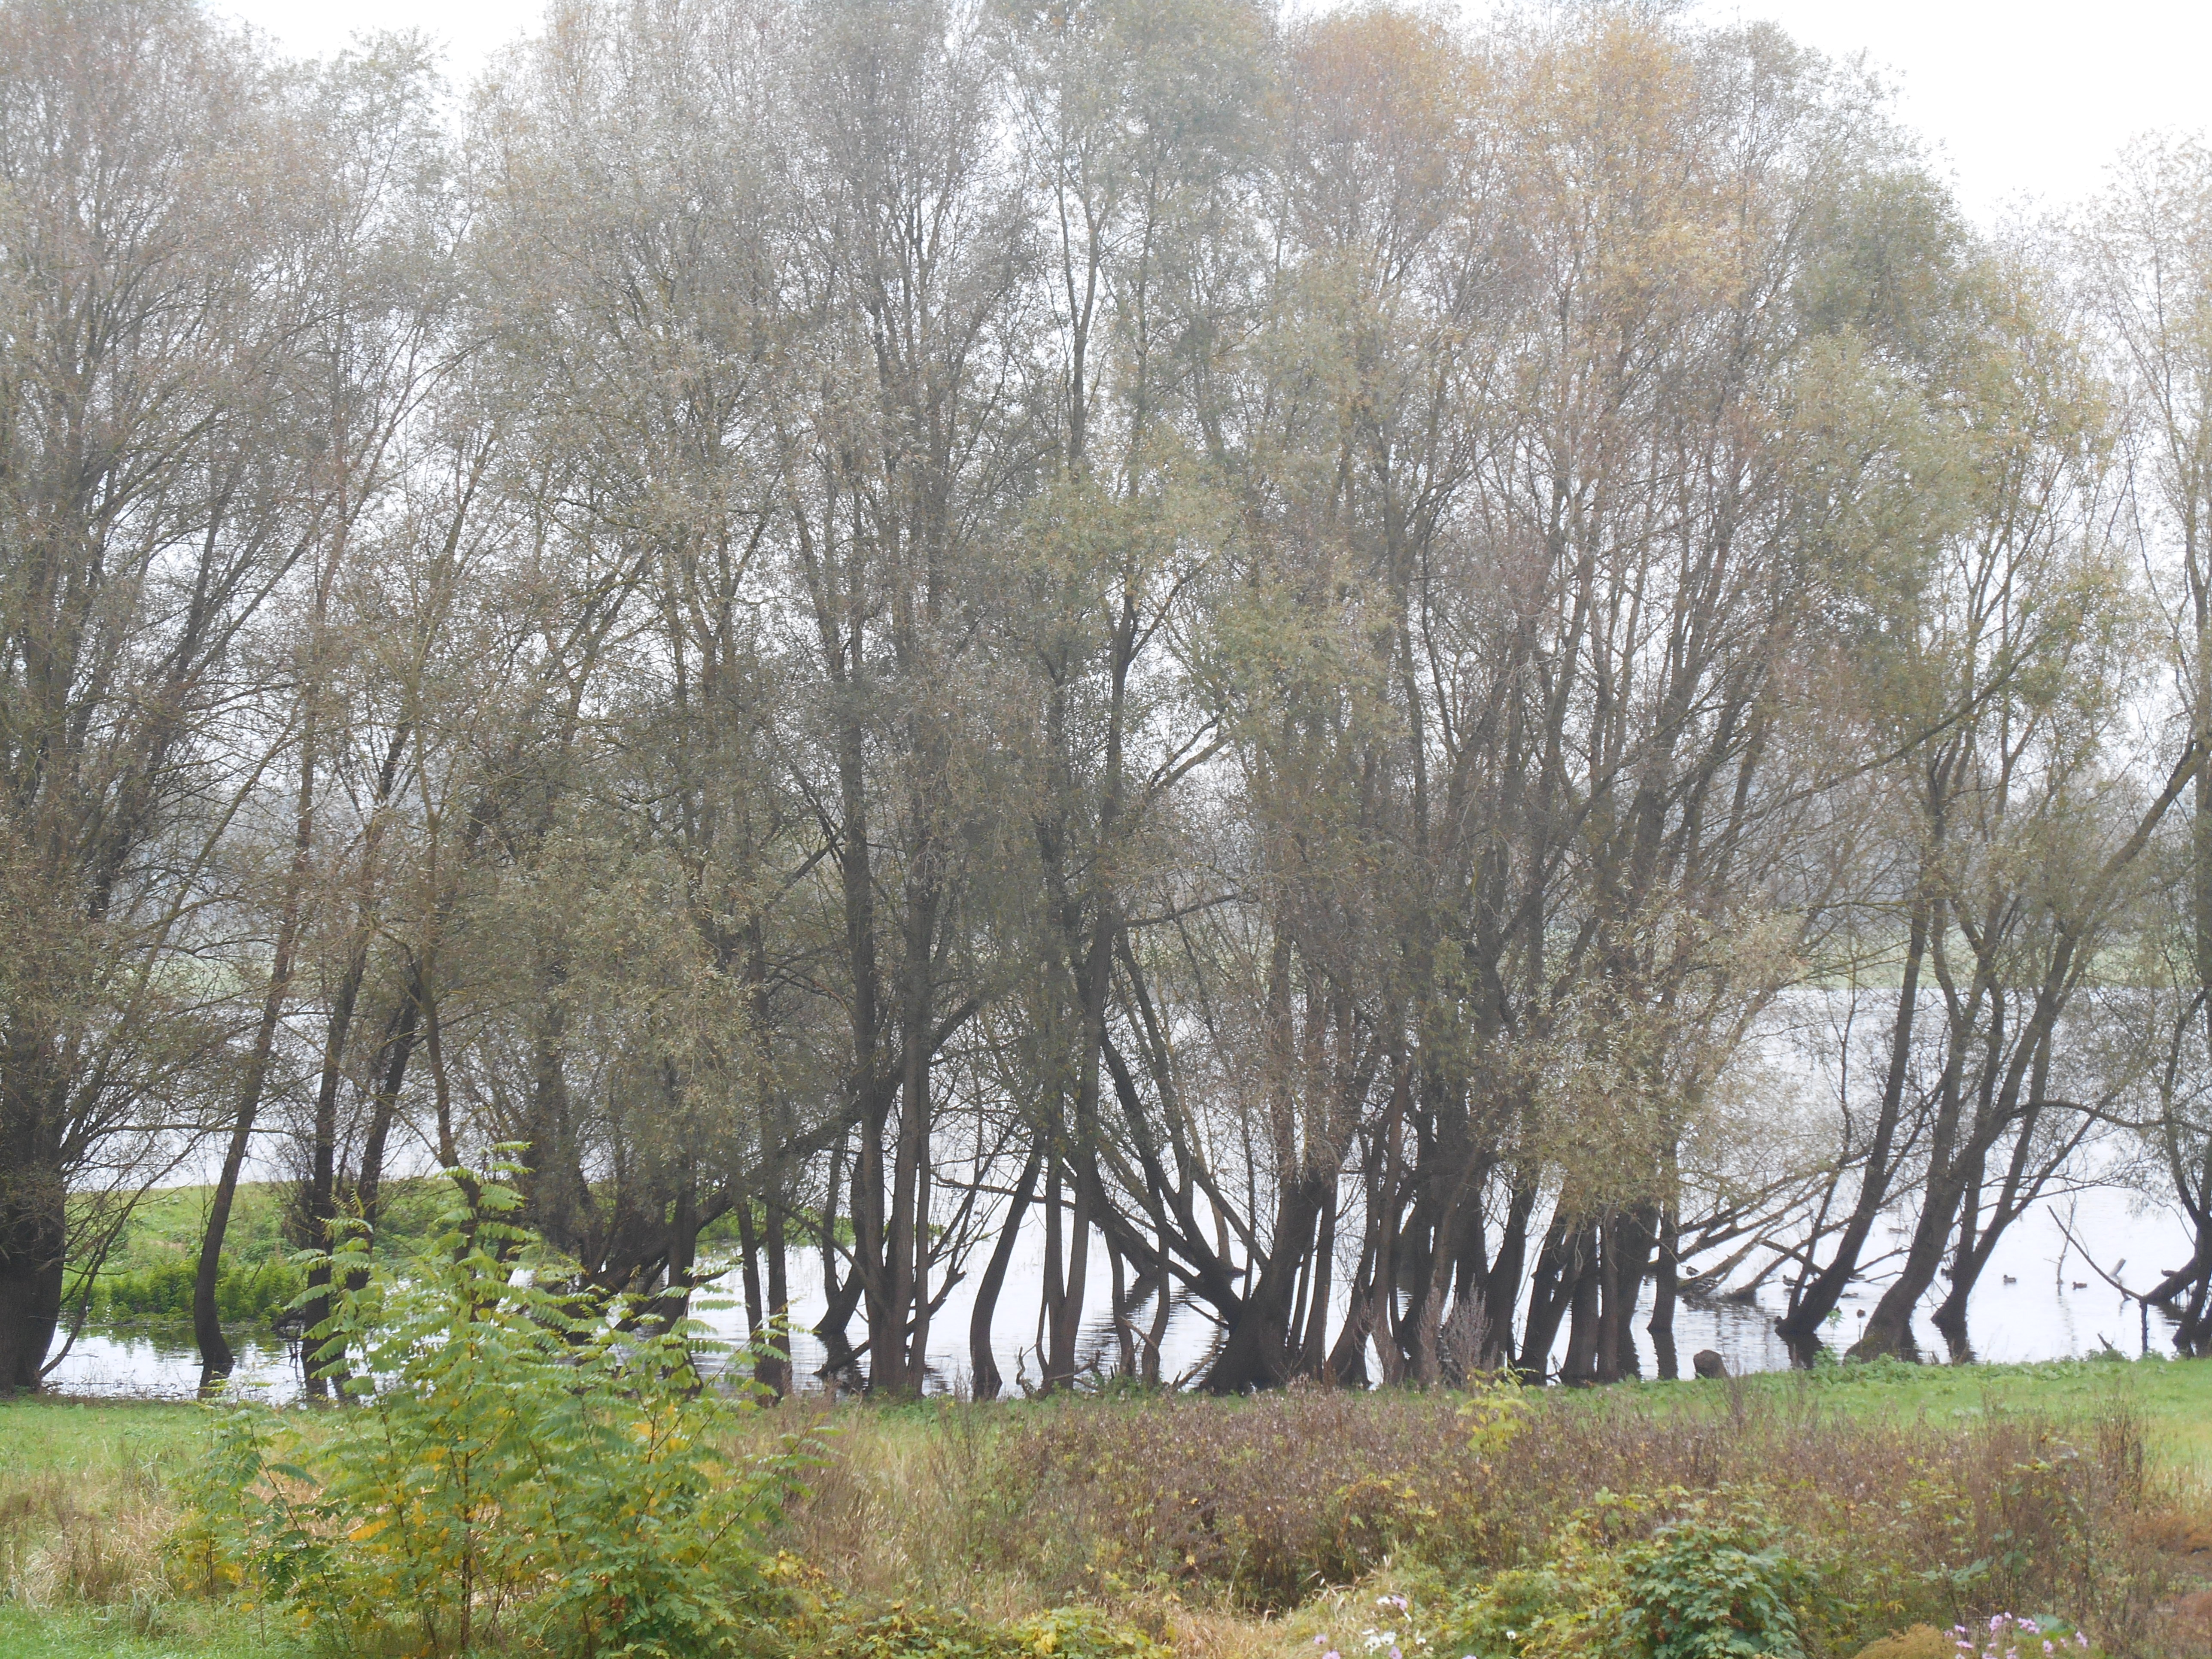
(2056,1308)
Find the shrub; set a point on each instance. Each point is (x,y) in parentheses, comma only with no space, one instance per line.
(1670,1577)
(524,1462)
(1702,1589)
(906,1631)
(164,1290)
(1260,1503)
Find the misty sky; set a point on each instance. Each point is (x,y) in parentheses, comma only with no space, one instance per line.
(2021,97)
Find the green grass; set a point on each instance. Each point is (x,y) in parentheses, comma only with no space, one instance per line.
(93,1481)
(148,1271)
(168,1222)
(182,1629)
(2173,1397)
(96,1440)
(100,1479)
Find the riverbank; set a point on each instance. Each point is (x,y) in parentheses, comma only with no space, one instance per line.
(1229,1529)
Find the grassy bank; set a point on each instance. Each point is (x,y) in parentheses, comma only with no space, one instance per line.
(2172,1398)
(146,1272)
(1233,1529)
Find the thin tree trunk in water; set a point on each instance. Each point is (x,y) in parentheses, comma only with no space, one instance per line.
(841,1295)
(1801,1330)
(1163,1308)
(556,1200)
(1346,1364)
(1952,1157)
(749,1256)
(2190,1340)
(1066,1333)
(1950,1317)
(1976,1247)
(392,1074)
(1627,1254)
(1664,1285)
(772,1370)
(985,1382)
(1313,1353)
(1502,1289)
(683,1249)
(897,1306)
(917,1364)
(217,1359)
(320,1200)
(1050,1293)
(1125,1329)
(772,1360)
(1549,1292)
(442,1093)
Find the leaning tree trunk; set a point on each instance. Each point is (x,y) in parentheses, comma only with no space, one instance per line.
(1801,1328)
(217,1359)
(984,1380)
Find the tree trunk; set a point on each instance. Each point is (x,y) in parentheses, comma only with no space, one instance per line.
(34,1239)
(1800,1327)
(984,1380)
(390,1075)
(320,1200)
(1257,1351)
(1551,1289)
(1666,1273)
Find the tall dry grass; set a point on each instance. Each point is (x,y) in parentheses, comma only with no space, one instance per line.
(70,1542)
(1189,1511)
(1230,1528)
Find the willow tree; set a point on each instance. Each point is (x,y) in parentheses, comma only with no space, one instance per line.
(149,507)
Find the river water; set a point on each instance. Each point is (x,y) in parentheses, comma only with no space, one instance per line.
(2040,1300)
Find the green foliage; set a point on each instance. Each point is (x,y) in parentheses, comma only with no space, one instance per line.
(1698,1585)
(164,1290)
(526,1464)
(148,1272)
(1701,1589)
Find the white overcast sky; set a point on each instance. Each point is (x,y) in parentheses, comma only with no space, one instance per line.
(2021,99)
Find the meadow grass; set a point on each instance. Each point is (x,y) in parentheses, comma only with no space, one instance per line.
(1231,1528)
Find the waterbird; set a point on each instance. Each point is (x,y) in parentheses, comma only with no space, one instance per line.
(2081,1284)
(2009,1279)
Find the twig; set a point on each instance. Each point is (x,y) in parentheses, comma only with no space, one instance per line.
(2132,1295)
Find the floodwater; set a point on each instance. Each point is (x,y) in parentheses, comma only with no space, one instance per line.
(2040,1300)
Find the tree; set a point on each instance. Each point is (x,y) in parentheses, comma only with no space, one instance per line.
(149,511)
